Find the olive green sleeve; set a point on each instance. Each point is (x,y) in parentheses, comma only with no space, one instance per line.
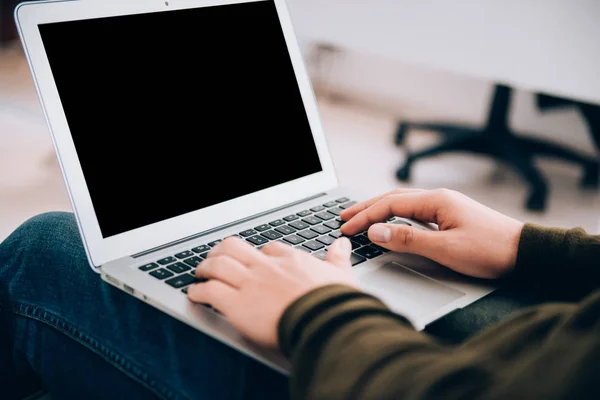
(563,262)
(345,344)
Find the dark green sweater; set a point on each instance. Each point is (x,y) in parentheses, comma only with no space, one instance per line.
(345,344)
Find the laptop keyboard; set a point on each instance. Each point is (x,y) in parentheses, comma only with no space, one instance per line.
(312,230)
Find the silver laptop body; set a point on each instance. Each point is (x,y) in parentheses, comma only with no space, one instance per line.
(150,119)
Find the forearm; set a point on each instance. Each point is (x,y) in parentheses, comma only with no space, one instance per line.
(344,344)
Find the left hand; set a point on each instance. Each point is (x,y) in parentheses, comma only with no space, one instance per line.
(253,288)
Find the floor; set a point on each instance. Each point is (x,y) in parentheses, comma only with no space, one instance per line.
(361,141)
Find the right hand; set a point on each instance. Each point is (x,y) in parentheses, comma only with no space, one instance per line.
(472,239)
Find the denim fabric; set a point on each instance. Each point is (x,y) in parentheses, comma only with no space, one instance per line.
(65,330)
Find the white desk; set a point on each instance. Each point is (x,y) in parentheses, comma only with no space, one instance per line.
(550,46)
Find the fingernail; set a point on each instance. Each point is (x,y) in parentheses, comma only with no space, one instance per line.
(380,233)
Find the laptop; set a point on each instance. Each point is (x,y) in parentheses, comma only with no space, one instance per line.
(178,123)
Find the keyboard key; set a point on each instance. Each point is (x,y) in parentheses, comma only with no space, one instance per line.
(313,245)
(317,208)
(180,281)
(355,259)
(299,225)
(185,290)
(291,218)
(167,260)
(285,229)
(304,213)
(333,224)
(347,205)
(201,249)
(258,240)
(148,267)
(184,254)
(263,227)
(320,229)
(204,255)
(193,261)
(249,232)
(161,274)
(337,211)
(361,239)
(198,280)
(312,220)
(293,239)
(326,240)
(277,222)
(178,267)
(308,234)
(335,234)
(343,200)
(368,252)
(382,249)
(304,249)
(272,235)
(216,242)
(355,245)
(330,204)
(284,242)
(325,216)
(321,254)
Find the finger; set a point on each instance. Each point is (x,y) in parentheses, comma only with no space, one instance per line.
(355,209)
(339,253)
(225,269)
(239,250)
(420,205)
(215,293)
(407,239)
(277,249)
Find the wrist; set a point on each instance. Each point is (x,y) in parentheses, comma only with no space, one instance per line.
(514,243)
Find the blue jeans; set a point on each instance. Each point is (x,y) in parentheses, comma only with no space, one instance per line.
(65,330)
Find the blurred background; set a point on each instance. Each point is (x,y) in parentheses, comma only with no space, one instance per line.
(472,96)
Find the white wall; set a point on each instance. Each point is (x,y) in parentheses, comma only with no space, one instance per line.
(542,45)
(415,93)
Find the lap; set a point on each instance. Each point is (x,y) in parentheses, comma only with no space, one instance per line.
(46,280)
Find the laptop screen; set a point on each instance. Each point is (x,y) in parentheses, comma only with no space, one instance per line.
(172,112)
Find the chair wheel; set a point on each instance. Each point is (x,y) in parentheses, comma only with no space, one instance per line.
(403,174)
(401,133)
(537,201)
(591,176)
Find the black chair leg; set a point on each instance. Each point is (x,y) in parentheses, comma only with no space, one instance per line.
(522,162)
(445,129)
(590,166)
(463,142)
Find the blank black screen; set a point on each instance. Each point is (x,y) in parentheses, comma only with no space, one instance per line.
(175,111)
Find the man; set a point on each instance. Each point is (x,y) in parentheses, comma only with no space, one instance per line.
(77,337)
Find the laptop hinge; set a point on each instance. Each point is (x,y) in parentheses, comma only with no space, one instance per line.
(229,225)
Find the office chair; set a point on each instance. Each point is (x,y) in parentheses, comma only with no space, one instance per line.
(497,140)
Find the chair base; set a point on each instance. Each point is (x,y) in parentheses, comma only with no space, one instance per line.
(498,141)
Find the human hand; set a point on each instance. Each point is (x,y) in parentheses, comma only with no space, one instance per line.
(253,288)
(472,239)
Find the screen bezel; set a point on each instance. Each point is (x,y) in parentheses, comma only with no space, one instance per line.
(102,250)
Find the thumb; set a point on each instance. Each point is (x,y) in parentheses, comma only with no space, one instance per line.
(339,253)
(405,239)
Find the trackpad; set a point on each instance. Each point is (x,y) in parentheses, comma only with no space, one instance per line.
(407,292)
